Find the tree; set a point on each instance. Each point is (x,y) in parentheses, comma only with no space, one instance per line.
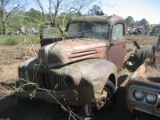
(71,7)
(129,21)
(95,10)
(144,21)
(76,6)
(41,7)
(16,20)
(34,16)
(56,8)
(56,4)
(6,13)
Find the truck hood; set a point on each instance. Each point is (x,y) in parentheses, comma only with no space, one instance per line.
(67,51)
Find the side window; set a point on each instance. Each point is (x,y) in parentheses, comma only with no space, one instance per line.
(118,31)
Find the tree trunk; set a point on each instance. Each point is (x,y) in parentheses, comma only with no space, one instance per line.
(4,28)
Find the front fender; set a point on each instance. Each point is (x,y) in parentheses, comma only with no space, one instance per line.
(94,75)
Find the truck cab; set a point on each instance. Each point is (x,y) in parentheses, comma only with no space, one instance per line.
(92,29)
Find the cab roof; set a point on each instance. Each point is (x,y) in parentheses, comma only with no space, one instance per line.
(99,18)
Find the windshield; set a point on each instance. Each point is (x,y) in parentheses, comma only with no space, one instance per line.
(88,30)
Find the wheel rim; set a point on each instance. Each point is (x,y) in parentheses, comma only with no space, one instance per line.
(87,110)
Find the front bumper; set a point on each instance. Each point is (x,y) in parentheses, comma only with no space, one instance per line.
(68,97)
(143,105)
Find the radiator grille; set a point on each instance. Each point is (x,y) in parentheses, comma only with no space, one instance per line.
(46,79)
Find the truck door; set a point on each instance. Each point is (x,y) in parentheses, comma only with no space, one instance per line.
(117,45)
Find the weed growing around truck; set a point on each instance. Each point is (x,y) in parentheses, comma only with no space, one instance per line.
(16,39)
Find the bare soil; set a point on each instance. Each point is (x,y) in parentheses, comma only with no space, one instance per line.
(13,108)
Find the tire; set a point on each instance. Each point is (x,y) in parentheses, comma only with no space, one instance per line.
(85,111)
(141,55)
(111,89)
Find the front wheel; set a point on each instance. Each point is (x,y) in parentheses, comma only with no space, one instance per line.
(107,94)
(86,110)
(110,89)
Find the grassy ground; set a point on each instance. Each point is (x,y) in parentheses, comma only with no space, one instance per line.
(16,39)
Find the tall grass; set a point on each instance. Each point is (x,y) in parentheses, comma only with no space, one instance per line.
(16,39)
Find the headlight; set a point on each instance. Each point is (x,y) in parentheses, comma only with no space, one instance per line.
(138,95)
(151,98)
(68,81)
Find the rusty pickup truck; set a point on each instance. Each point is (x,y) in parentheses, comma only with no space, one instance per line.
(79,69)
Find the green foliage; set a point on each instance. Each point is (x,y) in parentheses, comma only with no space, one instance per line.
(35,18)
(150,27)
(141,22)
(10,40)
(32,94)
(155,32)
(35,38)
(15,21)
(129,21)
(15,39)
(63,19)
(95,10)
(144,21)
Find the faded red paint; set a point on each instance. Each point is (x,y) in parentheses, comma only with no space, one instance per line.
(73,50)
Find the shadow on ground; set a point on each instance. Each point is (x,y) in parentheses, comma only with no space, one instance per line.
(13,108)
(29,110)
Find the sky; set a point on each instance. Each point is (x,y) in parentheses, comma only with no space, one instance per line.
(138,9)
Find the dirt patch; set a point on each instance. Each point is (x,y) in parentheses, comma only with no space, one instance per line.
(10,58)
(13,108)
(153,69)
